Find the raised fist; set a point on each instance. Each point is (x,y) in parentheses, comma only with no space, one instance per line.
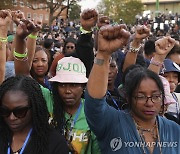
(17,16)
(111,38)
(164,45)
(5,18)
(88,19)
(102,21)
(142,32)
(24,28)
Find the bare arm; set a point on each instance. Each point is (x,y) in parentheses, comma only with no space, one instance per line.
(5,19)
(163,46)
(141,33)
(110,38)
(31,41)
(24,28)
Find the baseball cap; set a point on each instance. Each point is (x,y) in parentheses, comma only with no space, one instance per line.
(171,66)
(168,96)
(70,70)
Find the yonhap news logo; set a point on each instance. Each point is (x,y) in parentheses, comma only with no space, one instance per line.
(117,143)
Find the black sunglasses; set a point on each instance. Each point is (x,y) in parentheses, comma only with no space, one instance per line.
(19,112)
(68,47)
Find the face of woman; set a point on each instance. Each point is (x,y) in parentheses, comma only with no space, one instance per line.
(40,63)
(16,110)
(70,93)
(172,78)
(112,72)
(70,47)
(147,100)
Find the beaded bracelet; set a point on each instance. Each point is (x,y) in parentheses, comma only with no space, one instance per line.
(32,36)
(134,50)
(158,64)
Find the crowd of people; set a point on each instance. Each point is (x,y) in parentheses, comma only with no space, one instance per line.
(90,88)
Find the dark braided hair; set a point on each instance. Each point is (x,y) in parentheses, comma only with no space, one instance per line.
(59,118)
(40,115)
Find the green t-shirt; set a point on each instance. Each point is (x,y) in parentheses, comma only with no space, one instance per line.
(49,99)
(83,140)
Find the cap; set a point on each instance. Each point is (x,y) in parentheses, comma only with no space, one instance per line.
(10,38)
(170,66)
(70,70)
(168,96)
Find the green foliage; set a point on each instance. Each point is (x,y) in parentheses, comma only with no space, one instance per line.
(124,9)
(74,11)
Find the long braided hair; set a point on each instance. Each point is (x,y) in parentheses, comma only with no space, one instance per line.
(40,115)
(59,110)
(59,121)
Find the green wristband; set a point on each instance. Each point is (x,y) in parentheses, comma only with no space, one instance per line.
(20,55)
(83,31)
(2,39)
(32,36)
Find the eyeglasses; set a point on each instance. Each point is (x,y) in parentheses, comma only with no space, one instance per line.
(17,112)
(154,98)
(70,47)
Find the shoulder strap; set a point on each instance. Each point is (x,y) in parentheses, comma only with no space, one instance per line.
(178,97)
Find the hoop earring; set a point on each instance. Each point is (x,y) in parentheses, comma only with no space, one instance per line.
(126,109)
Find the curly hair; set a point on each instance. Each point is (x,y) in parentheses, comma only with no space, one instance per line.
(39,110)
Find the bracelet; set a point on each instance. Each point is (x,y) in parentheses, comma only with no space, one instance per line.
(23,59)
(2,39)
(83,31)
(156,63)
(32,36)
(20,55)
(134,50)
(98,61)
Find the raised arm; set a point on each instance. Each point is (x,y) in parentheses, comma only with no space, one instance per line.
(85,43)
(31,41)
(24,28)
(141,33)
(110,38)
(5,20)
(163,46)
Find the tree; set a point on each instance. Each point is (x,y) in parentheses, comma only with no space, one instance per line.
(74,12)
(6,4)
(55,7)
(124,9)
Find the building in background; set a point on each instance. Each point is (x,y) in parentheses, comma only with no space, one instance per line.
(29,13)
(165,6)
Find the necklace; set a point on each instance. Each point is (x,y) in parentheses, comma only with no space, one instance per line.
(152,131)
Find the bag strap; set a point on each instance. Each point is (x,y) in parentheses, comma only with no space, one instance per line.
(178,97)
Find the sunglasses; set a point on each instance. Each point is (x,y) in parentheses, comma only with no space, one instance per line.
(70,47)
(17,112)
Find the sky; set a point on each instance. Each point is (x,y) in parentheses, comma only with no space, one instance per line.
(89,4)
